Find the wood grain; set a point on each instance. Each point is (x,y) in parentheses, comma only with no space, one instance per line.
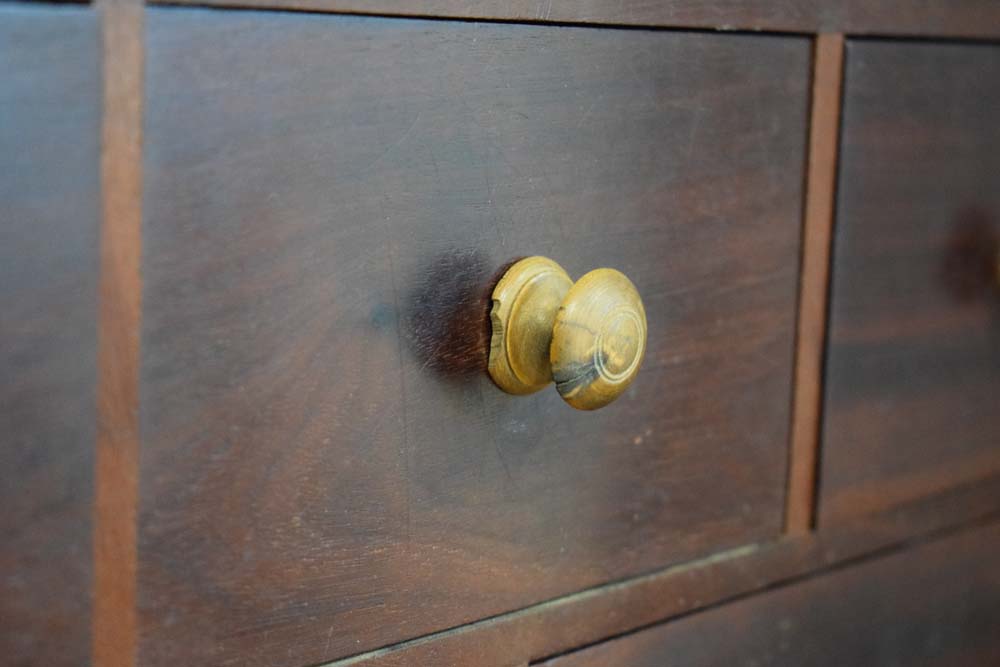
(598,340)
(311,487)
(936,604)
(944,18)
(824,126)
(49,208)
(566,623)
(116,494)
(913,365)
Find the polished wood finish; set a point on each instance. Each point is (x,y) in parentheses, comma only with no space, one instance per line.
(934,604)
(943,18)
(311,487)
(49,207)
(913,366)
(222,514)
(116,492)
(598,340)
(560,625)
(526,301)
(821,176)
(589,337)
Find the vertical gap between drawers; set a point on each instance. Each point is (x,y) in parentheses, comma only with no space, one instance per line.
(824,128)
(116,474)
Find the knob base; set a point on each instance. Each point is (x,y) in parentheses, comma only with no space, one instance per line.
(525,305)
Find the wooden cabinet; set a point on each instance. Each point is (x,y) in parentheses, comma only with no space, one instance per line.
(913,369)
(246,266)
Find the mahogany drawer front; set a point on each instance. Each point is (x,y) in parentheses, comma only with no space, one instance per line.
(314,485)
(49,207)
(935,604)
(913,363)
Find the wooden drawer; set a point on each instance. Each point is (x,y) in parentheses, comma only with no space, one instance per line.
(313,483)
(912,401)
(49,209)
(933,605)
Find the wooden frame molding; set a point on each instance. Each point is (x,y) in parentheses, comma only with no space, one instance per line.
(821,180)
(116,475)
(976,19)
(589,617)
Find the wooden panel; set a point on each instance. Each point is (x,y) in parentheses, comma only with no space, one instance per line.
(937,604)
(955,18)
(556,626)
(49,207)
(320,190)
(913,366)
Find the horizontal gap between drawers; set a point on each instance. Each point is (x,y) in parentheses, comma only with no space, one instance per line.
(278,8)
(810,21)
(745,571)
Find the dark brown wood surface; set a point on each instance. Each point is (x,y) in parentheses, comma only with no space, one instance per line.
(934,604)
(314,484)
(49,206)
(954,18)
(557,626)
(912,400)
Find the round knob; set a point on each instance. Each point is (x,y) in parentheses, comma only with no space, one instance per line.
(589,336)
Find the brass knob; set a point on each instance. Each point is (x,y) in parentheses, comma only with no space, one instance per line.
(588,337)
